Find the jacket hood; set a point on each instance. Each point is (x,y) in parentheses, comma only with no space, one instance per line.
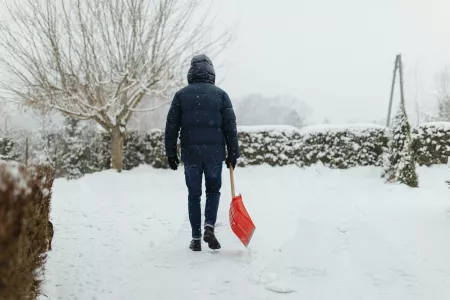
(201,70)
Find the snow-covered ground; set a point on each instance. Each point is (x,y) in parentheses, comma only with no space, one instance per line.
(321,234)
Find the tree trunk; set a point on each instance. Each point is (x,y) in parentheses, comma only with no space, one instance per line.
(117,139)
(26,152)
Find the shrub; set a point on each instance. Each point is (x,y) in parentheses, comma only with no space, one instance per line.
(334,146)
(24,213)
(145,148)
(343,146)
(273,145)
(431,143)
(87,151)
(16,209)
(400,162)
(7,152)
(157,157)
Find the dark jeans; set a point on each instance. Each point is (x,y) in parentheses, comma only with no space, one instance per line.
(213,182)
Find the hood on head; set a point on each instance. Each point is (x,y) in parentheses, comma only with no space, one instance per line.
(201,70)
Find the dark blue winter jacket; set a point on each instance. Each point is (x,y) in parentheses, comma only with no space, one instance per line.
(205,115)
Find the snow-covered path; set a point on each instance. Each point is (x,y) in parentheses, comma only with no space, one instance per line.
(321,234)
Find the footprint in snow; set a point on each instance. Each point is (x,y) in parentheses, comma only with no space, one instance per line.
(280,287)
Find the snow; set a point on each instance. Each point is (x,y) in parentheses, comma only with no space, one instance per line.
(352,127)
(10,172)
(437,125)
(268,128)
(279,287)
(320,234)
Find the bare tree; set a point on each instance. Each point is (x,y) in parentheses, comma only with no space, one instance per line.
(443,94)
(418,90)
(97,60)
(4,121)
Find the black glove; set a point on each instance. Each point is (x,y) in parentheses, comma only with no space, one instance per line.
(173,162)
(231,162)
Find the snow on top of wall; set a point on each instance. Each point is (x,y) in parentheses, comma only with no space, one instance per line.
(438,125)
(353,127)
(267,128)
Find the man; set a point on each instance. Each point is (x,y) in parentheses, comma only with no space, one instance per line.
(205,115)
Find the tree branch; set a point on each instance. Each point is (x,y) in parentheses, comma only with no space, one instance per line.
(98,59)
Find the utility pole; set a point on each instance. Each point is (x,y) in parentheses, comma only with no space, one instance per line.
(416,77)
(397,58)
(400,67)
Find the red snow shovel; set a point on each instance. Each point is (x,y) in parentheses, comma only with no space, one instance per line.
(240,221)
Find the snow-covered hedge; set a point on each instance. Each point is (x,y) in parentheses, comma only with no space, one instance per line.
(274,145)
(431,143)
(344,146)
(84,151)
(334,146)
(145,147)
(7,150)
(139,148)
(73,156)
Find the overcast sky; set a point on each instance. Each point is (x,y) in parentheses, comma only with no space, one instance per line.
(335,55)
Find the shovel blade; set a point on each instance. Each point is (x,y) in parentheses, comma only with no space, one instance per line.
(240,221)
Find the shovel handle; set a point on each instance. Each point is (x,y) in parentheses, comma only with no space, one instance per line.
(232,182)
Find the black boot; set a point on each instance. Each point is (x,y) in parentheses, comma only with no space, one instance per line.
(196,245)
(210,238)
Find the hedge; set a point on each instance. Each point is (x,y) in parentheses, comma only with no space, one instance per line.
(431,143)
(274,145)
(343,146)
(139,148)
(25,195)
(334,146)
(7,149)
